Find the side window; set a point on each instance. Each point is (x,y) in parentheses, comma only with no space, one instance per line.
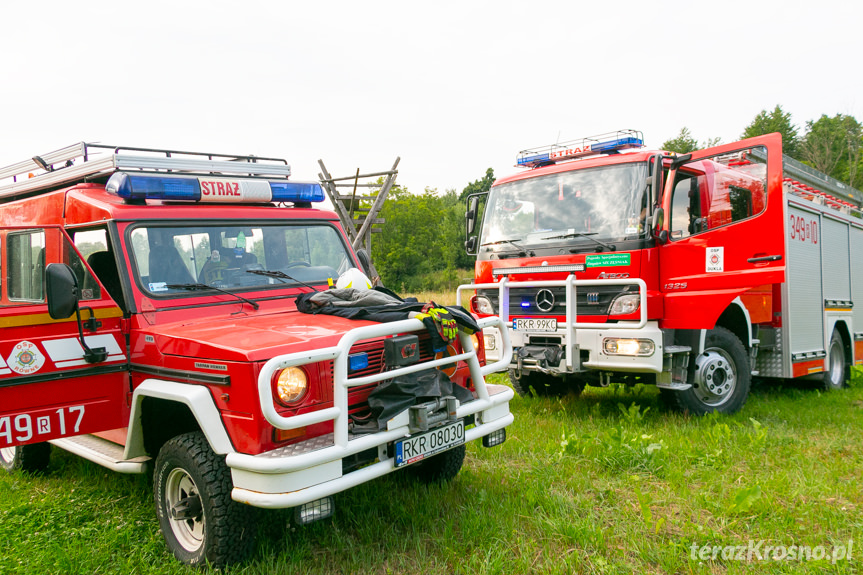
(93,246)
(25,266)
(711,193)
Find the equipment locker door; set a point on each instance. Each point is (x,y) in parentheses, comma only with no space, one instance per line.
(723,219)
(48,389)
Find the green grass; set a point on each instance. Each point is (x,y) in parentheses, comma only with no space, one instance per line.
(581,486)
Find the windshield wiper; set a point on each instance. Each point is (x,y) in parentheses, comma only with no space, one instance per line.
(522,251)
(203,287)
(280,276)
(609,247)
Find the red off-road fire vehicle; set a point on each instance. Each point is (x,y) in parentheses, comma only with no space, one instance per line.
(149,323)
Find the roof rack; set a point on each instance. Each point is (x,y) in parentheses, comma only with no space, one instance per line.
(81,162)
(806,182)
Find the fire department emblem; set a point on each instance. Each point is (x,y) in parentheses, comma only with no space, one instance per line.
(25,358)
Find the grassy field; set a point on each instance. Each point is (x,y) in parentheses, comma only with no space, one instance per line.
(610,482)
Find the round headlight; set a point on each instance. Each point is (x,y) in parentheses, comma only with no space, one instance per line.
(291,385)
(475,339)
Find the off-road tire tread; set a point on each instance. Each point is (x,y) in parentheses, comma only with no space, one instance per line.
(545,385)
(33,458)
(229,533)
(439,468)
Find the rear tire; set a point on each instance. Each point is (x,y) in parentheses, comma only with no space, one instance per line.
(722,376)
(32,458)
(439,468)
(545,385)
(200,522)
(836,376)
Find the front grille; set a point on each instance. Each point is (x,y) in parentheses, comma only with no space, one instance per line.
(375,351)
(589,300)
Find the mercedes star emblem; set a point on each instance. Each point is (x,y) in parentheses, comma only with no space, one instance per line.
(544,300)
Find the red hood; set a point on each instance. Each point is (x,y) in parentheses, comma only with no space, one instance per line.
(255,338)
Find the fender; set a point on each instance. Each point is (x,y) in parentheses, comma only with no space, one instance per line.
(199,402)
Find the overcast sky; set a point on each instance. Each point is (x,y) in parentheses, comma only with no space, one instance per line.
(452,87)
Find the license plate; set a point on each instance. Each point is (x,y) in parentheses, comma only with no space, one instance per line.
(534,324)
(425,445)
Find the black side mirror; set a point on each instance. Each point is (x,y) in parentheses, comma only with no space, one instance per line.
(470,215)
(656,178)
(365,261)
(656,225)
(470,245)
(62,290)
(61,287)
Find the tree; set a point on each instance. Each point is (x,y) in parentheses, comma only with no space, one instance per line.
(478,186)
(776,121)
(833,146)
(423,239)
(682,144)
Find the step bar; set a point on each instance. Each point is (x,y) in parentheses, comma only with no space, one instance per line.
(102,452)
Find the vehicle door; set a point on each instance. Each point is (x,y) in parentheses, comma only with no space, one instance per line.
(723,223)
(48,389)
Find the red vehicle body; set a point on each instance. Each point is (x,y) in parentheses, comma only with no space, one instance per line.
(148,306)
(607,261)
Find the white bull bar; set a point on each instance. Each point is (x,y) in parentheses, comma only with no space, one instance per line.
(571,284)
(279,481)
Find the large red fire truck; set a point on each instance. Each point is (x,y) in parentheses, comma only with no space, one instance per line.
(149,322)
(693,272)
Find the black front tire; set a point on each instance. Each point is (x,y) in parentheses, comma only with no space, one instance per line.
(199,520)
(31,458)
(722,376)
(439,468)
(545,385)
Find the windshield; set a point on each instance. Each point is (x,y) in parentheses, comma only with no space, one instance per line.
(607,202)
(227,256)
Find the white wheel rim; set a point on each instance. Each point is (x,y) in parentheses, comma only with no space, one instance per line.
(178,488)
(716,376)
(8,454)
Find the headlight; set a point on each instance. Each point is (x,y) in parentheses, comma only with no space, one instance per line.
(625,304)
(291,385)
(475,339)
(489,341)
(483,305)
(618,346)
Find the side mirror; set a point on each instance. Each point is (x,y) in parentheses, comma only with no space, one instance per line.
(656,225)
(656,177)
(61,287)
(470,215)
(470,245)
(62,290)
(365,261)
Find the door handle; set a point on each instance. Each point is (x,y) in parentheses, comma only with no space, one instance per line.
(764,259)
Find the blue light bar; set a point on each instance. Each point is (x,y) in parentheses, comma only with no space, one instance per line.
(358,361)
(602,144)
(211,189)
(153,187)
(297,192)
(525,303)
